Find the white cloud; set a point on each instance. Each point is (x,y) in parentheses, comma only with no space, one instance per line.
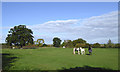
(54,26)
(93,29)
(106,20)
(101,28)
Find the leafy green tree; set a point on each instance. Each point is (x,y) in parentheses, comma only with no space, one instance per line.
(80,40)
(117,45)
(56,42)
(68,43)
(40,42)
(44,45)
(63,44)
(87,45)
(96,45)
(110,44)
(105,45)
(80,45)
(19,36)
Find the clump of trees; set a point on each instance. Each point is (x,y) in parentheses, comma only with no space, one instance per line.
(82,43)
(56,42)
(75,43)
(39,42)
(19,36)
(79,40)
(96,45)
(67,43)
(109,44)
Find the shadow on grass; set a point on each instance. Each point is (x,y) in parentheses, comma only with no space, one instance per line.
(88,54)
(86,69)
(7,60)
(76,69)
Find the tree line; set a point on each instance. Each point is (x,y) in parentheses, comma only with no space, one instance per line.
(82,43)
(20,36)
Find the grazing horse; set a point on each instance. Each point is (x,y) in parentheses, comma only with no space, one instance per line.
(82,50)
(13,47)
(76,49)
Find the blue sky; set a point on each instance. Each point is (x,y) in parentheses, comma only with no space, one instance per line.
(66,20)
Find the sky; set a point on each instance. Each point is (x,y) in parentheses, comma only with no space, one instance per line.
(91,21)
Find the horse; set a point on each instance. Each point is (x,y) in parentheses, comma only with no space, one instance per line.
(82,50)
(76,49)
(79,50)
(13,47)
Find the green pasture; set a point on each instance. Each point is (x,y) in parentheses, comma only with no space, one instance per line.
(58,59)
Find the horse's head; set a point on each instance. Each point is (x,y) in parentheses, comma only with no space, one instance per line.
(80,47)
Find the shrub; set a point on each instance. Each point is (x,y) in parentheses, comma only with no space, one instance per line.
(79,45)
(96,45)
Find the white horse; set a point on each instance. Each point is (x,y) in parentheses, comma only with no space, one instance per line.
(76,49)
(63,46)
(13,47)
(82,50)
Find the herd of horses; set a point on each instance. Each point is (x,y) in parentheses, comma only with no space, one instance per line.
(79,51)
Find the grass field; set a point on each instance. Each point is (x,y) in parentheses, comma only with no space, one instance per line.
(58,59)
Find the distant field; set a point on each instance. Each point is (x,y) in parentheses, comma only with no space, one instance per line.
(58,59)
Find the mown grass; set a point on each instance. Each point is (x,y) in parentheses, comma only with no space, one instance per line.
(59,58)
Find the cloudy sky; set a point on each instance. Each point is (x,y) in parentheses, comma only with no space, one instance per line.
(92,21)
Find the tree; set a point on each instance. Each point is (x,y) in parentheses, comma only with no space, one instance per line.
(80,45)
(63,44)
(105,45)
(110,44)
(56,42)
(68,43)
(96,45)
(19,36)
(40,42)
(44,45)
(87,45)
(117,45)
(80,40)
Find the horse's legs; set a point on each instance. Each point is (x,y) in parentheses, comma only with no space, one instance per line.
(84,52)
(81,52)
(73,51)
(78,52)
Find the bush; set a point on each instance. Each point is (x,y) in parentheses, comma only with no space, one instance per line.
(117,45)
(96,45)
(87,45)
(5,46)
(30,46)
(79,45)
(44,45)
